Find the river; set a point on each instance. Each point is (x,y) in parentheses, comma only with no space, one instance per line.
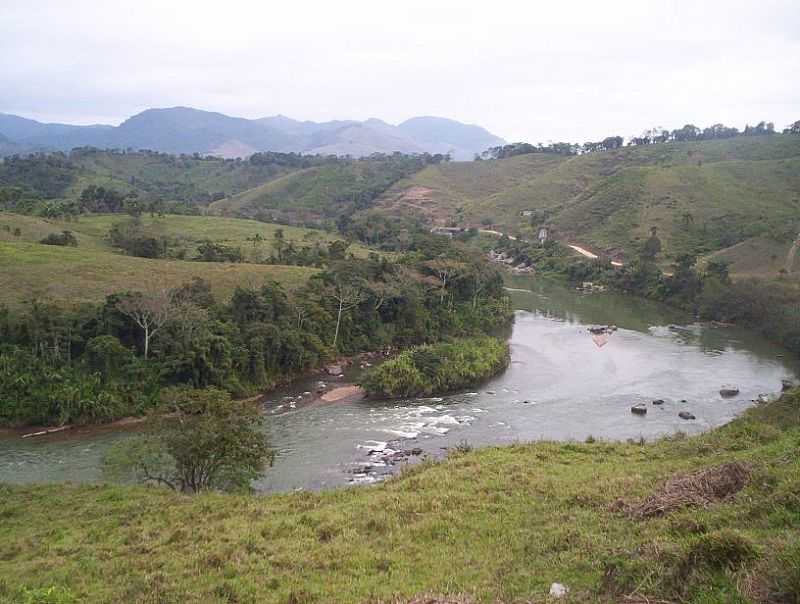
(560,385)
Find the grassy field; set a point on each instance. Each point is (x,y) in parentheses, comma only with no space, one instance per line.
(184,231)
(702,196)
(498,524)
(758,257)
(74,275)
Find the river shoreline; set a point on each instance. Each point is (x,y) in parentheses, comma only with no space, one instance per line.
(362,358)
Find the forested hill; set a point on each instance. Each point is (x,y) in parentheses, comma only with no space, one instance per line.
(702,196)
(312,190)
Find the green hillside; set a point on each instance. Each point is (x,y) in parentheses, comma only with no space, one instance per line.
(702,196)
(76,275)
(321,194)
(497,525)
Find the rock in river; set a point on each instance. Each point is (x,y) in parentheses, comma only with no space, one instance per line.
(686,415)
(728,391)
(639,409)
(334,370)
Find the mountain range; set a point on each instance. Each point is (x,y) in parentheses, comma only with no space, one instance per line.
(188,130)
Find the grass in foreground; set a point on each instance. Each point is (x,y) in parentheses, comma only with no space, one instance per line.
(498,524)
(76,275)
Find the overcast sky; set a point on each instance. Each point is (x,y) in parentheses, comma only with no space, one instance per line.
(527,70)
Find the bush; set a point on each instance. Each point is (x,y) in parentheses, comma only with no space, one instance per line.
(65,238)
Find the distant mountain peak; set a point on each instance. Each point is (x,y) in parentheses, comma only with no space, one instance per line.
(182,129)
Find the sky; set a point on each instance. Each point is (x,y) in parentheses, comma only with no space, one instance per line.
(529,70)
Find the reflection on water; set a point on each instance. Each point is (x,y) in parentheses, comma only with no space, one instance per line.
(560,385)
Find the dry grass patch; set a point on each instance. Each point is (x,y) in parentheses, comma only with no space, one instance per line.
(698,489)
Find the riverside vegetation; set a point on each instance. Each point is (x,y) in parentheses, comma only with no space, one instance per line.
(100,362)
(438,368)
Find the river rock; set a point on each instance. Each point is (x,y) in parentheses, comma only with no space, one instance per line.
(639,409)
(728,392)
(686,415)
(787,385)
(658,401)
(334,370)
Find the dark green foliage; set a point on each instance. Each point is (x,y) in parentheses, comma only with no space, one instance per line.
(65,238)
(101,199)
(18,199)
(45,175)
(438,368)
(130,237)
(211,251)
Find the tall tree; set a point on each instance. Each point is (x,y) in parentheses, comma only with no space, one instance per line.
(347,295)
(150,310)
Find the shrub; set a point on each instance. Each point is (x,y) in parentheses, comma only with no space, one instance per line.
(64,238)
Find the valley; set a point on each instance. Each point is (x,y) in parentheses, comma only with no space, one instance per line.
(140,287)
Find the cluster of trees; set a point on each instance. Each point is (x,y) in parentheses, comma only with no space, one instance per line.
(438,368)
(46,175)
(100,362)
(552,257)
(102,200)
(513,149)
(689,132)
(131,237)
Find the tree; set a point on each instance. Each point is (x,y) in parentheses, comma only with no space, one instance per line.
(279,243)
(652,247)
(719,270)
(347,295)
(149,310)
(445,271)
(198,440)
